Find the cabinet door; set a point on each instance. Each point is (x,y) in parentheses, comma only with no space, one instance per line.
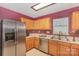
(36,42)
(64,50)
(75,21)
(53,48)
(74,52)
(29,43)
(32,42)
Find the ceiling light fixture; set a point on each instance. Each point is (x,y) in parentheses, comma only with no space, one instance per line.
(39,6)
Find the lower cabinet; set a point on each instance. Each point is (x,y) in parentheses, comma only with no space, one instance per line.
(74,50)
(64,49)
(58,48)
(36,42)
(29,43)
(53,47)
(32,42)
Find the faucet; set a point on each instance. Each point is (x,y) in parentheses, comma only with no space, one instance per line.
(60,33)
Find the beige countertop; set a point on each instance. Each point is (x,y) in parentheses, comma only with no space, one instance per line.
(73,42)
(70,38)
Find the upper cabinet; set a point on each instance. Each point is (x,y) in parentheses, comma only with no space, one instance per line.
(43,23)
(75,22)
(28,22)
(38,24)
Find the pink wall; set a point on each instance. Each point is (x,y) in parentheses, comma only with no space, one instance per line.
(6,13)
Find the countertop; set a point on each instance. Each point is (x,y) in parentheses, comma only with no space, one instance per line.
(70,38)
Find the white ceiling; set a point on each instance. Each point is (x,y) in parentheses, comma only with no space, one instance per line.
(25,8)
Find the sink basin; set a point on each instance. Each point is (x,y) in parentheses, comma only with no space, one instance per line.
(70,38)
(77,39)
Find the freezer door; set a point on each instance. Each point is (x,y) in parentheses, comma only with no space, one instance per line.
(20,39)
(8,40)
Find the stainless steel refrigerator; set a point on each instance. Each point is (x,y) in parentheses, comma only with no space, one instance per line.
(12,38)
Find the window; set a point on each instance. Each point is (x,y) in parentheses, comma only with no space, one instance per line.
(61,26)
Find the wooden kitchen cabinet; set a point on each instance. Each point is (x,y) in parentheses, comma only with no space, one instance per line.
(75,21)
(32,42)
(53,47)
(64,49)
(74,50)
(29,23)
(42,24)
(29,43)
(56,48)
(36,42)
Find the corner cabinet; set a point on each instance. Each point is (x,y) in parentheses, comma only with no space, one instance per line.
(32,42)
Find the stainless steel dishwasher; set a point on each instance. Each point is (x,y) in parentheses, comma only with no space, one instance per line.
(43,44)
